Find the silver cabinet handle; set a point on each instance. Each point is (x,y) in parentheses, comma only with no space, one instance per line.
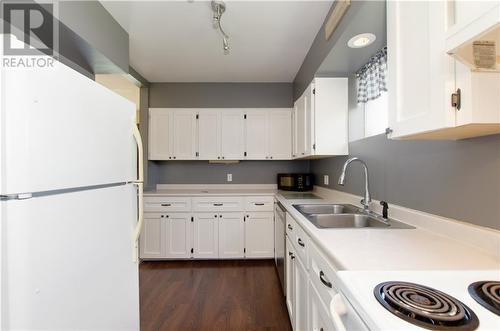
(300,242)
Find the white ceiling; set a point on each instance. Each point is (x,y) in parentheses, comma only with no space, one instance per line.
(174,41)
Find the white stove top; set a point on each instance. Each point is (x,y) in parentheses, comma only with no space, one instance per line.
(358,288)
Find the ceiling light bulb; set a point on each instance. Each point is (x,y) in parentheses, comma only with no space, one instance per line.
(361,40)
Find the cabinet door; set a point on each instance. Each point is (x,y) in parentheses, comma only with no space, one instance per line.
(309,120)
(300,294)
(256,137)
(419,78)
(206,236)
(184,135)
(231,235)
(151,241)
(280,134)
(295,149)
(259,235)
(289,280)
(209,134)
(319,316)
(178,235)
(160,134)
(232,134)
(301,126)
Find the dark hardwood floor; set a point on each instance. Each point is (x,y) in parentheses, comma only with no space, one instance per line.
(211,295)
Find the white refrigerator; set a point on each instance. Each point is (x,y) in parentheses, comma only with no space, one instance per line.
(71,190)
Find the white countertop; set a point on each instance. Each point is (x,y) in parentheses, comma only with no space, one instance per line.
(391,249)
(209,192)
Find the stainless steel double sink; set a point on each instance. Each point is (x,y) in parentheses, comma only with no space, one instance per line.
(327,216)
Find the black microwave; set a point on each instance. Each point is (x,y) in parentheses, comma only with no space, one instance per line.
(295,182)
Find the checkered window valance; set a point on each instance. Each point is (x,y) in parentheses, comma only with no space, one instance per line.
(372,77)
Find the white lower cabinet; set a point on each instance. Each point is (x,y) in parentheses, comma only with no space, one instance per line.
(206,236)
(300,294)
(259,235)
(231,236)
(319,317)
(166,236)
(289,280)
(211,227)
(151,236)
(178,234)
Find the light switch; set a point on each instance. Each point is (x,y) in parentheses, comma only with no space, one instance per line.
(326,180)
(229,177)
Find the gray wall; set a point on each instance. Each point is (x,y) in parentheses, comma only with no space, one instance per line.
(455,179)
(245,172)
(220,95)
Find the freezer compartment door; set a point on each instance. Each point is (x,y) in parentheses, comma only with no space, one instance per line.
(67,261)
(60,130)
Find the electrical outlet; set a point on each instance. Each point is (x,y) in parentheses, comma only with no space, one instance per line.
(326,180)
(229,177)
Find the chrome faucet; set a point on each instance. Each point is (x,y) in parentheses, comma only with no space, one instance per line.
(367,199)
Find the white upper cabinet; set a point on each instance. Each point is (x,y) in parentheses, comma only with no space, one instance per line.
(184,135)
(256,137)
(432,95)
(320,123)
(268,134)
(209,134)
(220,134)
(232,135)
(470,21)
(160,128)
(280,134)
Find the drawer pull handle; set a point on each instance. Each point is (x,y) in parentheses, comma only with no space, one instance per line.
(218,204)
(300,242)
(291,255)
(290,227)
(259,204)
(324,280)
(166,204)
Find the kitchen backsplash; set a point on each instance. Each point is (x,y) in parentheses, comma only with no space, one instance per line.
(455,179)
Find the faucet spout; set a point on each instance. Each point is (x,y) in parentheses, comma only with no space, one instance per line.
(367,197)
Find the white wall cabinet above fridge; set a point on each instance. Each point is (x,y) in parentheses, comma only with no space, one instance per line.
(320,126)
(220,134)
(431,94)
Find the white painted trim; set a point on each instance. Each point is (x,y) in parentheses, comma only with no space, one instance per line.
(216,187)
(483,238)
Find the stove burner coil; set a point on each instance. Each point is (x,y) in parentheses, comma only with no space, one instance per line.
(487,294)
(425,306)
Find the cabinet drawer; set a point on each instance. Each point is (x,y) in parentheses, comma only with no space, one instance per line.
(301,243)
(322,274)
(259,203)
(204,204)
(167,204)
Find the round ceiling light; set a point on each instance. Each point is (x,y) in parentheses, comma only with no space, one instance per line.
(361,40)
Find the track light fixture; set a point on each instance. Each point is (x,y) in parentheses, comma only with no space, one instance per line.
(219,7)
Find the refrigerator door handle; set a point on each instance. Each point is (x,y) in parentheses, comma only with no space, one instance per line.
(140,189)
(140,222)
(140,152)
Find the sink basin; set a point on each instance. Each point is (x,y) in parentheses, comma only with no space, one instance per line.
(338,216)
(326,209)
(345,221)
